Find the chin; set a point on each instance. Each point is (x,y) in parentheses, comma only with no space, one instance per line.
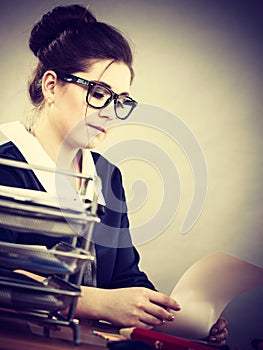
(96,141)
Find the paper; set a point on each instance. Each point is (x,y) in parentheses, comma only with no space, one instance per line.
(73,203)
(204,291)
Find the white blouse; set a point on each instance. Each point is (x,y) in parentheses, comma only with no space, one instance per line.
(34,154)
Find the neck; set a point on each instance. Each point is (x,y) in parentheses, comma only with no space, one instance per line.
(63,155)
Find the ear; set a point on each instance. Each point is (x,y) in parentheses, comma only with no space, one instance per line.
(49,82)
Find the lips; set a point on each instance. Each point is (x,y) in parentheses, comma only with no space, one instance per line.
(99,128)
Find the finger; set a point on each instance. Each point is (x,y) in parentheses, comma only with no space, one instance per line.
(219,337)
(220,324)
(217,342)
(144,325)
(158,312)
(150,320)
(164,300)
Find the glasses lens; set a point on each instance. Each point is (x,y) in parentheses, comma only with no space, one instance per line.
(98,96)
(124,106)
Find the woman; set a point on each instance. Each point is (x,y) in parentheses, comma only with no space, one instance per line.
(79,88)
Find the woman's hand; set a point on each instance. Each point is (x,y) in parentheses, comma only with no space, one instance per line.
(127,307)
(218,333)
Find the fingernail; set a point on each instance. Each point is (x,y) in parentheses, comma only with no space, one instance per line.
(170,317)
(213,339)
(214,330)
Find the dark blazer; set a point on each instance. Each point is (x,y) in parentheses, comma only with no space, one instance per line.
(117,258)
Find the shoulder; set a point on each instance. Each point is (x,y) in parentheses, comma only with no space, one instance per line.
(101,160)
(105,168)
(110,176)
(15,177)
(9,151)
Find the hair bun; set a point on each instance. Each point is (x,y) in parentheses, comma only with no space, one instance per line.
(55,22)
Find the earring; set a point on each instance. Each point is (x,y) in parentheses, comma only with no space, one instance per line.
(50,100)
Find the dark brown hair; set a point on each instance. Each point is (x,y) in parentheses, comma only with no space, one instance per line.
(70,39)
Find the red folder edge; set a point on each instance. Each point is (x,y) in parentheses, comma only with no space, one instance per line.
(166,342)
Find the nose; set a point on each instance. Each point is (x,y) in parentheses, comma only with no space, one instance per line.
(108,112)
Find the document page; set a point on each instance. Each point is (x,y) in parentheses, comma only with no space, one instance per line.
(204,291)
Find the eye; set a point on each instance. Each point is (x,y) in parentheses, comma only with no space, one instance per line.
(100,93)
(125,101)
(120,104)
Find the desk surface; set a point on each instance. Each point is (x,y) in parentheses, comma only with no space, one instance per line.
(20,334)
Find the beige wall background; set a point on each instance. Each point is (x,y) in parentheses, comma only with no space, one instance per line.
(201,61)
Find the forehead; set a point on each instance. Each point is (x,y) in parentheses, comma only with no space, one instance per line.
(115,74)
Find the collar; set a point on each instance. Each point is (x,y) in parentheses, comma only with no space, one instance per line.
(33,152)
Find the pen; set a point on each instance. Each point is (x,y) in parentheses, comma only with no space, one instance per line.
(108,336)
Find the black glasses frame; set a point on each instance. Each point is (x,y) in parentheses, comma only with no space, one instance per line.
(70,78)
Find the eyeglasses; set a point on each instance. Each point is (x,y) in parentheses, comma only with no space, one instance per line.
(100,96)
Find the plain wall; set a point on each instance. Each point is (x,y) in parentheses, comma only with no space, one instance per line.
(201,61)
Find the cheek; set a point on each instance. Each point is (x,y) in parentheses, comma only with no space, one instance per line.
(82,136)
(71,104)
(76,134)
(90,112)
(70,121)
(69,118)
(74,111)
